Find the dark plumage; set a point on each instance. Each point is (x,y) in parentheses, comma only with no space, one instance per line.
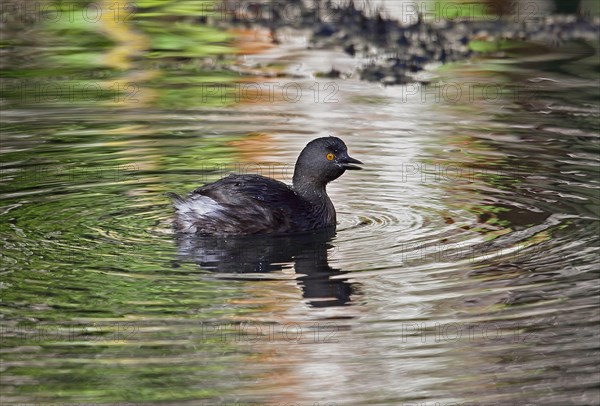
(254,204)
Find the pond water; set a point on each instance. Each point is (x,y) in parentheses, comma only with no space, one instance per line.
(463,268)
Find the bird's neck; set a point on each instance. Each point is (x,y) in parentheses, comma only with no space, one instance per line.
(316,195)
(310,189)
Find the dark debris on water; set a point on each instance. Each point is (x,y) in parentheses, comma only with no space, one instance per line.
(395,52)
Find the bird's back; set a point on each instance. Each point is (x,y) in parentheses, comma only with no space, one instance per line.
(245,204)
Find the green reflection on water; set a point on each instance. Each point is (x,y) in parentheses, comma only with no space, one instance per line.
(88,288)
(113,53)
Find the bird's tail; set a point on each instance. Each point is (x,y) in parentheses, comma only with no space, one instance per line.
(177,199)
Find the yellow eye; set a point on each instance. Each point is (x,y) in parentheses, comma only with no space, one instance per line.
(329,156)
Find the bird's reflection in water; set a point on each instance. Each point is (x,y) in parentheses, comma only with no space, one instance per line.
(263,254)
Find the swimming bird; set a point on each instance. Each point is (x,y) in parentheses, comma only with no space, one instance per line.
(254,204)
